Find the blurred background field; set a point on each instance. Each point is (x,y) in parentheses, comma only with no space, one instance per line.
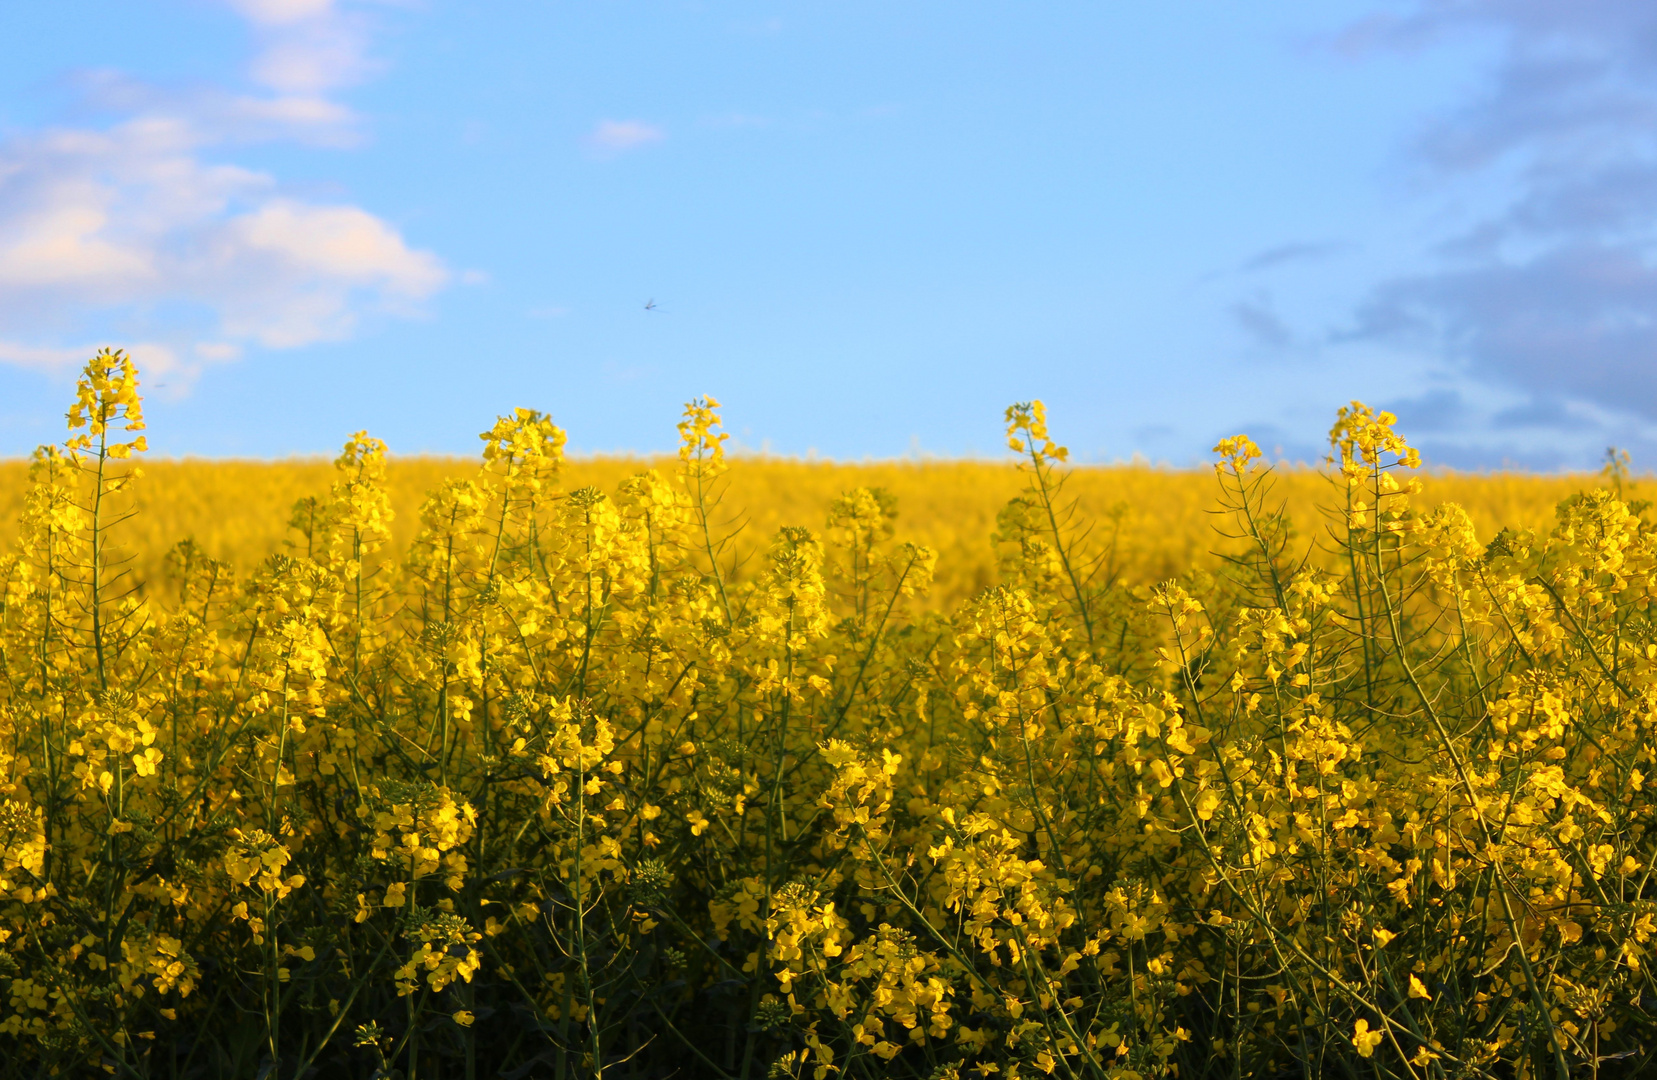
(1157,523)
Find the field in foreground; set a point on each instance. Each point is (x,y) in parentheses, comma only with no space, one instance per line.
(540,768)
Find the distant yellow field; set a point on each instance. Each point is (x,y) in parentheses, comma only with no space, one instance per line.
(1162,520)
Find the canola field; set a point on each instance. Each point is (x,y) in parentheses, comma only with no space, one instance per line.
(1153,524)
(729,768)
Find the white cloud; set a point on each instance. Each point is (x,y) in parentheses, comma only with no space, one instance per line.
(133,218)
(282,12)
(312,58)
(337,241)
(152,358)
(611,137)
(218,350)
(134,230)
(323,257)
(306,46)
(216,115)
(41,356)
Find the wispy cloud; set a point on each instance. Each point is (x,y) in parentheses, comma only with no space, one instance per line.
(135,229)
(1553,291)
(1542,413)
(1434,411)
(611,137)
(1577,320)
(1262,324)
(220,116)
(1299,252)
(306,46)
(282,12)
(154,358)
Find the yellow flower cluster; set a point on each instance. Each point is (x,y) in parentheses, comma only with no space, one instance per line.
(544,777)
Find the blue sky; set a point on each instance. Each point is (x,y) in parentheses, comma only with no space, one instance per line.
(866,226)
